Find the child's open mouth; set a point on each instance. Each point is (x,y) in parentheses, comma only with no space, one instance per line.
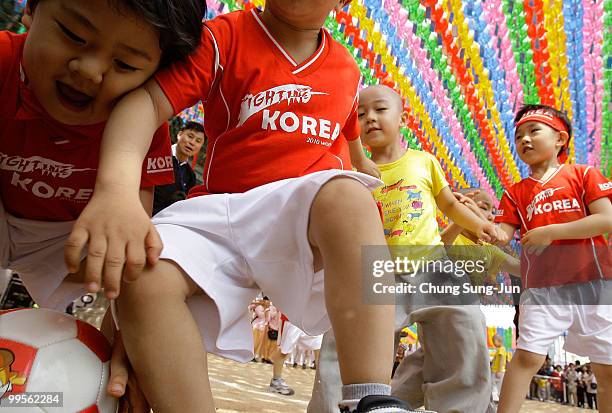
(72,98)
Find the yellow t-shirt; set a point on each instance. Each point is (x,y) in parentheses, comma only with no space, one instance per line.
(499,360)
(408,203)
(464,249)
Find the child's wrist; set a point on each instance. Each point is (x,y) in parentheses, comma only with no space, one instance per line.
(116,185)
(553,231)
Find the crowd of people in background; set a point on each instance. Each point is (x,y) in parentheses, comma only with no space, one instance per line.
(575,384)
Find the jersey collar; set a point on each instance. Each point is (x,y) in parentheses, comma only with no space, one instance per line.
(294,66)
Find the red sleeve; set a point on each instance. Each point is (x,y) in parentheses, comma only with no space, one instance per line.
(190,80)
(157,168)
(508,210)
(7,54)
(351,126)
(595,185)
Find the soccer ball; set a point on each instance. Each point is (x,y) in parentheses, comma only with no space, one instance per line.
(45,351)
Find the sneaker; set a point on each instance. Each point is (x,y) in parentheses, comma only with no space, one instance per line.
(380,404)
(279,386)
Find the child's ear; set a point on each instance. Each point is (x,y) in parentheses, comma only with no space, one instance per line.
(28,14)
(563,139)
(404,118)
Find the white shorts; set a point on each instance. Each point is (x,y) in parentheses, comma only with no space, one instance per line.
(289,337)
(234,245)
(35,251)
(589,329)
(292,337)
(307,343)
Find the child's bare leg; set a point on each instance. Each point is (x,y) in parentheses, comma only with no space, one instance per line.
(259,343)
(516,380)
(278,360)
(343,218)
(163,341)
(603,374)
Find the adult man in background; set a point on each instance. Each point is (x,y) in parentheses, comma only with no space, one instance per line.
(189,142)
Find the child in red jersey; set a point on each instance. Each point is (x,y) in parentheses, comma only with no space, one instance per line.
(562,212)
(58,84)
(278,204)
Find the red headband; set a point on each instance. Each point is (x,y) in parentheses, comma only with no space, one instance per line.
(555,122)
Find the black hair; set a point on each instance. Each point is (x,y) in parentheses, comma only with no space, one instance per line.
(194,126)
(550,110)
(178,22)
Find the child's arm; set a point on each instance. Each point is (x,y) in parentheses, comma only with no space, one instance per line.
(462,216)
(509,230)
(114,223)
(598,223)
(451,232)
(360,161)
(511,265)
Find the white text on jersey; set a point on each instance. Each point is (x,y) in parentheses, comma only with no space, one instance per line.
(252,104)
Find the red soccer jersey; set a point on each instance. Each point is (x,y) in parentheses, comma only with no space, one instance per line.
(48,169)
(564,197)
(267,118)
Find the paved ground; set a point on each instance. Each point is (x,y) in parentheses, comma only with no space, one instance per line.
(244,388)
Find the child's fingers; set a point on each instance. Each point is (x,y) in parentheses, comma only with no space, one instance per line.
(153,245)
(135,262)
(501,235)
(74,246)
(122,382)
(113,267)
(95,263)
(485,236)
(118,379)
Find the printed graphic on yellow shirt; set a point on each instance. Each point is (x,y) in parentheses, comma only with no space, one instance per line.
(403,206)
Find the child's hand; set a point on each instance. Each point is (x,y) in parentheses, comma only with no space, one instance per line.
(122,382)
(491,233)
(470,203)
(367,166)
(119,233)
(536,240)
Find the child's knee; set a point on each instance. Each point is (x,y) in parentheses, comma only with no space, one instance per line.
(163,281)
(343,196)
(528,360)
